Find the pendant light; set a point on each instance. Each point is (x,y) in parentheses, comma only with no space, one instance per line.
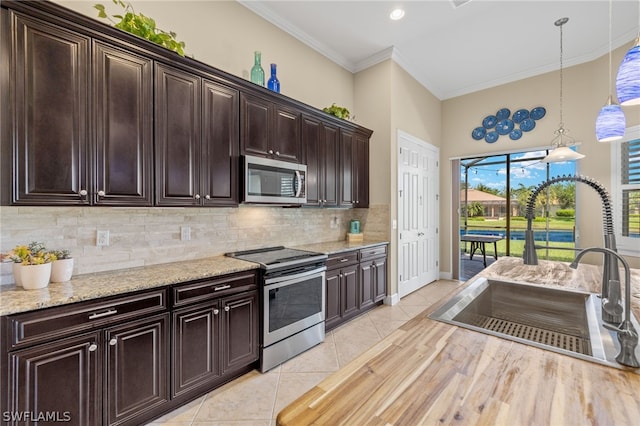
(628,79)
(610,124)
(561,152)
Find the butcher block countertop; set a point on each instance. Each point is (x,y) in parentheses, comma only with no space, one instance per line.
(428,372)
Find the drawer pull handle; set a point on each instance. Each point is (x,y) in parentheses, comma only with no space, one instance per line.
(344,259)
(113,341)
(222,287)
(93,347)
(103,314)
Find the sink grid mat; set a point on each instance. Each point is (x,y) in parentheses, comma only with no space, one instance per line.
(534,334)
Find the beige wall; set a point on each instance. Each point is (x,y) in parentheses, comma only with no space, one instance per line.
(224,34)
(585,91)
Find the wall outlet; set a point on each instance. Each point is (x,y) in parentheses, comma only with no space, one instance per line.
(102,238)
(185,233)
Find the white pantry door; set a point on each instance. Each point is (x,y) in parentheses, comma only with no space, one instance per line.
(418,213)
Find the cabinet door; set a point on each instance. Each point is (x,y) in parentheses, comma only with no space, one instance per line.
(346,172)
(219,145)
(50,88)
(332,308)
(312,147)
(380,288)
(123,103)
(330,155)
(196,347)
(239,331)
(366,284)
(285,142)
(62,378)
(350,291)
(177,125)
(255,130)
(361,175)
(136,368)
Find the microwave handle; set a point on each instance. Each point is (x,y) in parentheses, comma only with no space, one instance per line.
(298,183)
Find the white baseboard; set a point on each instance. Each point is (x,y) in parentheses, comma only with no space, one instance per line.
(392,300)
(445,275)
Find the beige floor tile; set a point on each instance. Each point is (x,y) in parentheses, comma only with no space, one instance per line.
(293,385)
(181,416)
(356,330)
(321,357)
(387,327)
(248,398)
(233,423)
(388,313)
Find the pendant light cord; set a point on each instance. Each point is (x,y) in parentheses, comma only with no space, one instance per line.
(610,20)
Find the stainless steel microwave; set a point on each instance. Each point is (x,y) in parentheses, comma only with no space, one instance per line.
(268,181)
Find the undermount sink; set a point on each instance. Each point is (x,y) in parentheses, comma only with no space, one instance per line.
(559,320)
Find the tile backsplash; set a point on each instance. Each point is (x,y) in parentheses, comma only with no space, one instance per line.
(147,236)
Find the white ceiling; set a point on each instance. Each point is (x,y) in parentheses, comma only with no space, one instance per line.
(454,51)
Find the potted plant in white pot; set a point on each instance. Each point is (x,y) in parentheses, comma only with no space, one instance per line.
(32,266)
(62,266)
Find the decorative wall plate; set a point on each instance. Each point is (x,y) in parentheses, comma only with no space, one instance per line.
(537,113)
(504,126)
(503,113)
(491,137)
(527,125)
(489,122)
(478,133)
(520,115)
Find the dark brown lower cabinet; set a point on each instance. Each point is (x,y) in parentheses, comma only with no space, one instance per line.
(356,282)
(60,379)
(136,368)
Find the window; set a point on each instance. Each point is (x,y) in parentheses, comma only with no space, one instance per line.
(625,179)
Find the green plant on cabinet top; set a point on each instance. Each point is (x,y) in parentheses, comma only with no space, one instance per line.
(142,26)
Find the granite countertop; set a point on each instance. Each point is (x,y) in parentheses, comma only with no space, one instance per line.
(333,247)
(112,283)
(430,372)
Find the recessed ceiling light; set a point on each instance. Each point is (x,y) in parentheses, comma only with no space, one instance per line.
(396,14)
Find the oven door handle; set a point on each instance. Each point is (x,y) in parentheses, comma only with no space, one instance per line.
(302,275)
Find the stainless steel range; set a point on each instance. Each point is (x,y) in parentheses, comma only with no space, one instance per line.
(293,300)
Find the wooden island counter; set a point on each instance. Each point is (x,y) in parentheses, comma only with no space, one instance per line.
(429,372)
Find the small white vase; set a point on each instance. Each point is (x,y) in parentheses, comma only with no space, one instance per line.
(35,276)
(61,270)
(17,277)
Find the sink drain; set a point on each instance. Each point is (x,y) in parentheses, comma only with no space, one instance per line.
(533,334)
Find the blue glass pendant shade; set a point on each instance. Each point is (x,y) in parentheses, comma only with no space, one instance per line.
(628,79)
(611,123)
(273,83)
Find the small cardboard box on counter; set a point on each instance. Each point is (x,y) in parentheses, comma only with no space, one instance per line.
(355,237)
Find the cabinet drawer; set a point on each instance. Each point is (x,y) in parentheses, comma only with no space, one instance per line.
(372,252)
(211,288)
(342,259)
(48,324)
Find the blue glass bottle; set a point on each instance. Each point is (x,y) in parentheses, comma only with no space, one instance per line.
(257,73)
(273,83)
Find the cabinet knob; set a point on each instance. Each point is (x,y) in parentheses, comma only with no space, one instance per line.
(270,151)
(100,193)
(226,309)
(216,311)
(113,341)
(278,153)
(93,347)
(197,197)
(208,197)
(83,192)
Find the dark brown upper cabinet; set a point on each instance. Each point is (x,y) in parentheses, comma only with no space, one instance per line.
(123,110)
(50,92)
(196,140)
(62,158)
(269,130)
(354,169)
(320,143)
